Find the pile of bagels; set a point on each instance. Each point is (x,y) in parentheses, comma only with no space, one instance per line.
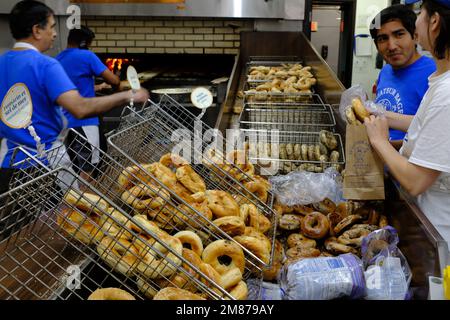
(126,245)
(286,78)
(322,229)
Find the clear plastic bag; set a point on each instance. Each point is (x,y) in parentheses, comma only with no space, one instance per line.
(323,278)
(387,274)
(357,91)
(261,290)
(303,187)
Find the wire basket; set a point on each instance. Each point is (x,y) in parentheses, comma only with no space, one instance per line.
(164,207)
(62,243)
(251,97)
(302,119)
(152,138)
(304,152)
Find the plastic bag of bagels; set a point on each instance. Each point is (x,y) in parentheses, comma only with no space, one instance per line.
(323,278)
(363,175)
(387,271)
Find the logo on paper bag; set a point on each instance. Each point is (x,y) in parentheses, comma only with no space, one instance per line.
(358,153)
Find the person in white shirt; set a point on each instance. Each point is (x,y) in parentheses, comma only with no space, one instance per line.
(422,166)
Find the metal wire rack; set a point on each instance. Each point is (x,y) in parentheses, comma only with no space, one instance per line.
(58,242)
(303,154)
(158,134)
(301,119)
(251,97)
(161,204)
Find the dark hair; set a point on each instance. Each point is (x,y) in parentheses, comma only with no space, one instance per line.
(27,14)
(396,12)
(81,37)
(442,43)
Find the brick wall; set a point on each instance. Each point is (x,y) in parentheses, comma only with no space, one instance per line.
(167,35)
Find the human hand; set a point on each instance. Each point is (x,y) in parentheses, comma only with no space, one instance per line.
(377,129)
(140,96)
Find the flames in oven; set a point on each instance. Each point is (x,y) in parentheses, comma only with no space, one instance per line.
(115,64)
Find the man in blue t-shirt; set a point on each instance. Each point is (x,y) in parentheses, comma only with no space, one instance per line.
(403,81)
(82,66)
(33,86)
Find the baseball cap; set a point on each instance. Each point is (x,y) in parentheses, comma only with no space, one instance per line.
(445,3)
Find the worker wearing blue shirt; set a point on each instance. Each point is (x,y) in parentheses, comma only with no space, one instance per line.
(33,86)
(82,66)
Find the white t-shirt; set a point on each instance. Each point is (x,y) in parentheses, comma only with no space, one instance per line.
(427,144)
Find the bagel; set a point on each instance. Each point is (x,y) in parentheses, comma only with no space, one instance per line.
(263,181)
(80,226)
(258,248)
(191,239)
(113,224)
(290,222)
(255,218)
(231,225)
(230,278)
(299,240)
(146,288)
(130,175)
(182,279)
(383,221)
(271,274)
(200,207)
(260,190)
(171,293)
(156,264)
(213,279)
(301,209)
(325,206)
(315,225)
(172,160)
(181,191)
(243,167)
(221,203)
(343,209)
(351,117)
(328,139)
(239,292)
(332,245)
(190,179)
(120,254)
(353,237)
(374,247)
(110,294)
(359,109)
(86,202)
(219,248)
(252,232)
(162,173)
(278,253)
(165,217)
(346,222)
(297,253)
(142,197)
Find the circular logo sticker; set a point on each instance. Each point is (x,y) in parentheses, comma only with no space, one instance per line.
(133,78)
(17,107)
(202,98)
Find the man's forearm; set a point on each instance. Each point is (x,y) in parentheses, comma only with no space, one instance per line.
(398,121)
(98,105)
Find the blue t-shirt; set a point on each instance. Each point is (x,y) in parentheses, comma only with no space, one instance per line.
(401,90)
(45,80)
(81,66)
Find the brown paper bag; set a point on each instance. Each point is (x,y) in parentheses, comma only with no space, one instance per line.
(363,177)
